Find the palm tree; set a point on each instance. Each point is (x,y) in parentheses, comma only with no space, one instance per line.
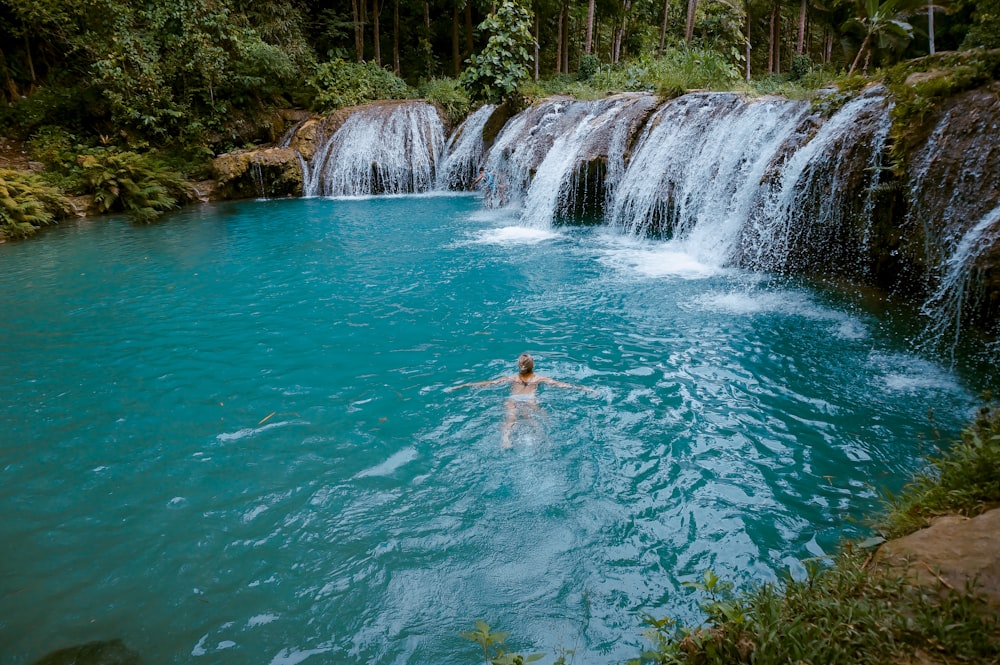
(885,20)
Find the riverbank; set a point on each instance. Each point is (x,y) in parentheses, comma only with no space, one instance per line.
(928,596)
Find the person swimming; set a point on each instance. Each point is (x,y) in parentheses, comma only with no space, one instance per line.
(523,391)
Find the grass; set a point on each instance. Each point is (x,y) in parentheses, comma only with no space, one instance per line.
(856,610)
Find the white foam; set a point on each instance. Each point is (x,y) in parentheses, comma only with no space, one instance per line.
(260,620)
(907,374)
(294,656)
(389,466)
(514,235)
(655,259)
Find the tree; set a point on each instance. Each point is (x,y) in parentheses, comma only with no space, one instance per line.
(495,74)
(885,21)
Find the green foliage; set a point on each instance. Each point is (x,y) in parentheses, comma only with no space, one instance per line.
(677,71)
(495,74)
(123,181)
(27,203)
(883,24)
(589,64)
(852,612)
(449,96)
(963,480)
(491,643)
(801,65)
(985,33)
(338,84)
(856,611)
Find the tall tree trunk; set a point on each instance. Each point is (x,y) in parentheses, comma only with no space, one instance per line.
(588,44)
(359,44)
(801,41)
(31,63)
(746,4)
(538,10)
(468,28)
(456,50)
(565,25)
(857,58)
(770,43)
(663,30)
(376,34)
(689,26)
(930,27)
(559,42)
(395,37)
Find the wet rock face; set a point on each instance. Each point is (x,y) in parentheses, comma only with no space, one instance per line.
(953,195)
(109,652)
(263,173)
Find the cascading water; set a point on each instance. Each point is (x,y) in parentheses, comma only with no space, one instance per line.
(465,151)
(562,174)
(818,205)
(698,165)
(944,307)
(391,148)
(953,204)
(557,154)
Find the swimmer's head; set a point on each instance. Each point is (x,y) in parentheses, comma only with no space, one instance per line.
(525,363)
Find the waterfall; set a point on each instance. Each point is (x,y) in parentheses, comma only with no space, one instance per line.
(556,157)
(817,209)
(465,151)
(953,206)
(957,284)
(390,148)
(698,166)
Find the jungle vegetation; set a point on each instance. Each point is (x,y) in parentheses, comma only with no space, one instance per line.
(123,100)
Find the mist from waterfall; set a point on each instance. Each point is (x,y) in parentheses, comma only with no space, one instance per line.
(380,149)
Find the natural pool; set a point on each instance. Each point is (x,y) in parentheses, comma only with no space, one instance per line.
(227,440)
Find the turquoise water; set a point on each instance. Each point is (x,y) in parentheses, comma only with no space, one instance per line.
(227,440)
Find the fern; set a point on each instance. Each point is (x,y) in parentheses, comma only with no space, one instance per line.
(129,182)
(27,203)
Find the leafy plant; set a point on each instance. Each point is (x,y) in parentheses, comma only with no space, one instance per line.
(129,182)
(27,203)
(882,22)
(338,84)
(492,642)
(589,64)
(449,96)
(495,74)
(964,480)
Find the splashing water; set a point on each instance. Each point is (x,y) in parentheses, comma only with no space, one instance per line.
(808,206)
(465,151)
(943,308)
(380,149)
(697,168)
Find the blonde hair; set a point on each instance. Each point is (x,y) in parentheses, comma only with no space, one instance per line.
(525,363)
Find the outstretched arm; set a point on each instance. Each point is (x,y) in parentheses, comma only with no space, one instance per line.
(481,384)
(563,384)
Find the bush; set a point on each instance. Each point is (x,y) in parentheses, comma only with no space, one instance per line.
(124,181)
(27,203)
(448,95)
(801,65)
(338,84)
(677,70)
(496,74)
(589,64)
